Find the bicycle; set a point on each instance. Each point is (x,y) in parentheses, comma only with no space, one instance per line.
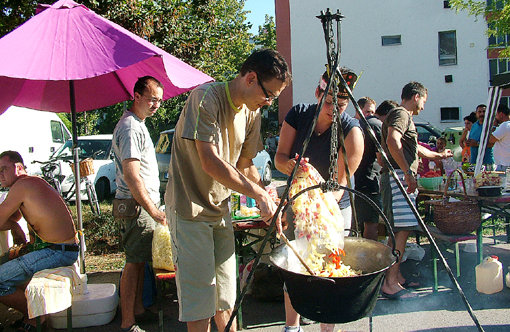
(52,173)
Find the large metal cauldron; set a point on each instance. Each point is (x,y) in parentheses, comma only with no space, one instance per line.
(338,300)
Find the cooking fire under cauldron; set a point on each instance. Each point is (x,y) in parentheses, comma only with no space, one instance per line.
(338,300)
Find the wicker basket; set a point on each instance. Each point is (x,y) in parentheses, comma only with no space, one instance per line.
(456,217)
(86,167)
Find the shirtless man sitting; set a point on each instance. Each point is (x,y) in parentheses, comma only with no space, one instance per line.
(53,241)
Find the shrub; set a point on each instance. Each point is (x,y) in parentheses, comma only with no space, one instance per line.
(101,232)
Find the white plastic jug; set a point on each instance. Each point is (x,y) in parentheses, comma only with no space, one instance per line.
(507,278)
(489,275)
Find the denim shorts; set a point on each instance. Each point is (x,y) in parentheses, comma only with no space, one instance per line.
(20,270)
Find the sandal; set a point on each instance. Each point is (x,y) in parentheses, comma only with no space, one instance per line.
(402,294)
(411,284)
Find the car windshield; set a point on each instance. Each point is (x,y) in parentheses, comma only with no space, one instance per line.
(434,128)
(164,144)
(89,148)
(426,131)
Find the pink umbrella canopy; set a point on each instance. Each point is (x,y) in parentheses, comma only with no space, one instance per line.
(66,42)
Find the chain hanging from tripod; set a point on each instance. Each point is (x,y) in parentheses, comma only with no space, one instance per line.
(333,56)
(333,155)
(333,49)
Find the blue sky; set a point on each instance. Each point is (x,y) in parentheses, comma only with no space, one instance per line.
(259,9)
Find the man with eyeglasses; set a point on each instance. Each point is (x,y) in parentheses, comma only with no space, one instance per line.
(137,182)
(215,140)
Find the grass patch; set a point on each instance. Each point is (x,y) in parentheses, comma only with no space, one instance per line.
(101,232)
(493,226)
(105,262)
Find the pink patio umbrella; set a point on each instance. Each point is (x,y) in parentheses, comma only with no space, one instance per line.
(68,42)
(69,59)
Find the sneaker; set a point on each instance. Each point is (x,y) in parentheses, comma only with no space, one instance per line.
(133,328)
(292,329)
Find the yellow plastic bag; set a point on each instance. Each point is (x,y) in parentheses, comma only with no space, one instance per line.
(162,248)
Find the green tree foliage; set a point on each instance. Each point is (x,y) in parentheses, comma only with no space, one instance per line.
(14,13)
(266,37)
(497,15)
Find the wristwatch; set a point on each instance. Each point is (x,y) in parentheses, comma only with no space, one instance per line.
(410,172)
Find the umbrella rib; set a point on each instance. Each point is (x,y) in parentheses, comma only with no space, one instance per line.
(122,84)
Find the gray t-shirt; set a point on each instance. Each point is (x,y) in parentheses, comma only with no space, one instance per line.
(131,140)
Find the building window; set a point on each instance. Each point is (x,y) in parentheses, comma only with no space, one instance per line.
(447,48)
(391,40)
(498,66)
(499,41)
(450,114)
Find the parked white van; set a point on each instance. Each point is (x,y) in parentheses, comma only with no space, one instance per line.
(34,134)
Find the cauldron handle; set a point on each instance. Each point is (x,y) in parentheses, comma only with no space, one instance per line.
(331,185)
(352,230)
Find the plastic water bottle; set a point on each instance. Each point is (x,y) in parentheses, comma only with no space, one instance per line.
(250,202)
(489,275)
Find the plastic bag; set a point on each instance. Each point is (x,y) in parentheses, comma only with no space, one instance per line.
(414,252)
(162,248)
(449,165)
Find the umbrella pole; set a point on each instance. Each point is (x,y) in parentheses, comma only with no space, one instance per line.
(76,158)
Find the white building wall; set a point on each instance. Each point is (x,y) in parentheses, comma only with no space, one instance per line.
(386,69)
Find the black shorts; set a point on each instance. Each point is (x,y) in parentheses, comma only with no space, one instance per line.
(364,211)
